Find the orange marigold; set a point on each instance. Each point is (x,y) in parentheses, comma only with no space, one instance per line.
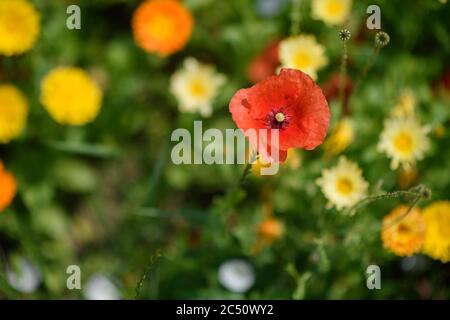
(162,26)
(7,188)
(403,236)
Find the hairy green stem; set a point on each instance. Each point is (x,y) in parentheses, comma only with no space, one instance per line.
(417,193)
(155,257)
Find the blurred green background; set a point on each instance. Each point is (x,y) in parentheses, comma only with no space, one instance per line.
(107,198)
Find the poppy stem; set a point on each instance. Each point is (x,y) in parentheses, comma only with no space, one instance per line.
(343,80)
(244,174)
(295,17)
(368,66)
(381,40)
(248,167)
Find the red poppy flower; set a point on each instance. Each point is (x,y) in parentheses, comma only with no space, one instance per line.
(290,102)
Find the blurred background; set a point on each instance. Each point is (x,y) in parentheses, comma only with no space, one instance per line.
(105,196)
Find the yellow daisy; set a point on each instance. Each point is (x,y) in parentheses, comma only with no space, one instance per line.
(437,234)
(332,12)
(71,96)
(404,140)
(195,86)
(343,185)
(13,112)
(304,53)
(19,26)
(403,234)
(405,105)
(340,138)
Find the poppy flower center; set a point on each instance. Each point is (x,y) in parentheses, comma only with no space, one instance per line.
(277,119)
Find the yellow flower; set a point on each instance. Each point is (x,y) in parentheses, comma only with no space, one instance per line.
(302,52)
(13,113)
(343,185)
(340,138)
(403,235)
(258,164)
(332,12)
(19,26)
(437,234)
(195,86)
(71,96)
(404,141)
(405,105)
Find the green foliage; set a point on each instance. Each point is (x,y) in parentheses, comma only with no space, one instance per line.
(107,198)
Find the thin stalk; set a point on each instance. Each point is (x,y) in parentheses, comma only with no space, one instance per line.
(295,17)
(153,259)
(367,67)
(417,194)
(343,77)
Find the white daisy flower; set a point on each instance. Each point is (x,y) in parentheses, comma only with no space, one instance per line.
(343,185)
(303,53)
(195,86)
(404,140)
(332,12)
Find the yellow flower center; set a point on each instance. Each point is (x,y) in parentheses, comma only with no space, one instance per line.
(197,89)
(334,7)
(344,186)
(302,60)
(403,143)
(279,117)
(161,27)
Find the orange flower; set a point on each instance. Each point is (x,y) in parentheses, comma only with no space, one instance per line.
(403,236)
(7,188)
(162,26)
(271,229)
